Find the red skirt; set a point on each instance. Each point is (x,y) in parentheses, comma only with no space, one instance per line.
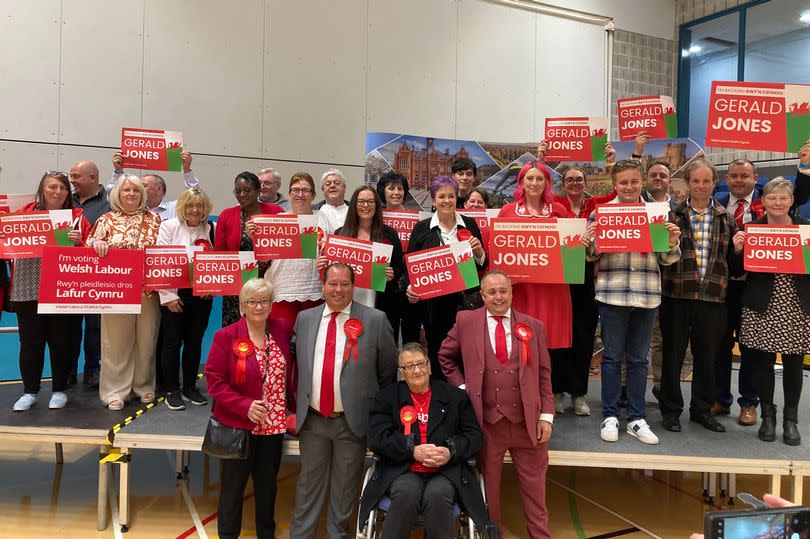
(549,303)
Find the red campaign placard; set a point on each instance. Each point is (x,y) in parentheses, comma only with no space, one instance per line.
(368,259)
(167,267)
(632,228)
(747,115)
(276,237)
(403,222)
(777,248)
(75,280)
(482,220)
(527,250)
(436,272)
(577,139)
(151,149)
(222,273)
(12,203)
(649,114)
(25,234)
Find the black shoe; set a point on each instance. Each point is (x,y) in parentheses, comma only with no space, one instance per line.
(790,427)
(91,379)
(193,396)
(708,422)
(656,392)
(767,430)
(174,401)
(672,423)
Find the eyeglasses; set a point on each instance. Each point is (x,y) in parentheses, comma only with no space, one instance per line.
(419,364)
(252,303)
(56,173)
(300,191)
(574,180)
(366,202)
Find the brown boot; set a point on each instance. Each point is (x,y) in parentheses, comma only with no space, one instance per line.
(719,409)
(748,416)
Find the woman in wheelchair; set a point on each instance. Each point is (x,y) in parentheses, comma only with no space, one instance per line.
(423,432)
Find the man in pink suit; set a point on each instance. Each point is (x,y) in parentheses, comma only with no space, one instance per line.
(508,379)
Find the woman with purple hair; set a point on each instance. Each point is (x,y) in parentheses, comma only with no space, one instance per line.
(549,303)
(446,226)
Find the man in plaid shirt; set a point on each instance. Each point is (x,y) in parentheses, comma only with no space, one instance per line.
(628,292)
(693,307)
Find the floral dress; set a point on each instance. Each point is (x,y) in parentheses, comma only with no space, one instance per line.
(273,366)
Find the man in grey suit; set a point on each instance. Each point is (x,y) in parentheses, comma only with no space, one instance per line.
(346,353)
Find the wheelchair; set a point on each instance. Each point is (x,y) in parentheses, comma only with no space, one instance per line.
(465,527)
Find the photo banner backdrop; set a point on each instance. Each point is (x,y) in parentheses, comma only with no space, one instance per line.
(764,116)
(777,249)
(653,114)
(152,149)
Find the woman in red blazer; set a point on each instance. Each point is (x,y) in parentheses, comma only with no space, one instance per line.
(230,231)
(249,373)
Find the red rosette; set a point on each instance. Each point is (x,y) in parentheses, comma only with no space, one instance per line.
(353,328)
(524,334)
(242,348)
(407,415)
(463,234)
(204,243)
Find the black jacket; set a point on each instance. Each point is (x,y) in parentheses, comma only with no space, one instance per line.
(451,423)
(759,286)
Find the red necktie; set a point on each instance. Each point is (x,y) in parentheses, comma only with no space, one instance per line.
(500,342)
(739,211)
(328,373)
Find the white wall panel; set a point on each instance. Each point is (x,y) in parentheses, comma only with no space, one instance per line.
(573,83)
(29,70)
(102,45)
(315,80)
(496,59)
(23,165)
(203,73)
(412,66)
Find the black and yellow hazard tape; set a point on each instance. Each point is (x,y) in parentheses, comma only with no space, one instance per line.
(113,455)
(138,413)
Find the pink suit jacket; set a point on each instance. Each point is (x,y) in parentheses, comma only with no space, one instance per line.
(535,377)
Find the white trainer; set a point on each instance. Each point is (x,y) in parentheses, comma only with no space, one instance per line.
(580,406)
(25,402)
(610,429)
(559,402)
(641,430)
(58,401)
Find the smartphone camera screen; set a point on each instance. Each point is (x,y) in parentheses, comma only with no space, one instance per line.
(787,525)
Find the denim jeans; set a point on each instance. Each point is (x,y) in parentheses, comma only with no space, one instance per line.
(626,334)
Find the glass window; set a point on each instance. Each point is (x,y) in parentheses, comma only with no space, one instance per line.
(777,42)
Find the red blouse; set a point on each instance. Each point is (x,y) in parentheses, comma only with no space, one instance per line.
(422,404)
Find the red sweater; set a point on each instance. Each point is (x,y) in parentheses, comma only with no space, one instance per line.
(229,226)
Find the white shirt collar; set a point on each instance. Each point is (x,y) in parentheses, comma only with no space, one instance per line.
(732,200)
(434,220)
(507,315)
(327,311)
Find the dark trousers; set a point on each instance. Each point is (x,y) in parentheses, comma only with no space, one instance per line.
(37,330)
(438,315)
(184,329)
(92,342)
(685,322)
(570,370)
(722,370)
(394,305)
(262,465)
(413,494)
(763,362)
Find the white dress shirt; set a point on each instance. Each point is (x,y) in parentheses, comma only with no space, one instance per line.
(492,323)
(732,206)
(320,349)
(335,216)
(167,209)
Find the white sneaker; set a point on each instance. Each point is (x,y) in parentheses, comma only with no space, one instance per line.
(641,430)
(610,429)
(58,400)
(559,402)
(25,402)
(580,406)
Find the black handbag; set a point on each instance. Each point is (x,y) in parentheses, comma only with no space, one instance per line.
(225,442)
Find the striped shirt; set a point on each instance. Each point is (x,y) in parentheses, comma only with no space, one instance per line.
(701,222)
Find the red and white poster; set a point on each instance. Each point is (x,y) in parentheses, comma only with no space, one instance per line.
(368,259)
(12,203)
(632,228)
(222,273)
(403,222)
(539,250)
(168,266)
(482,219)
(151,149)
(777,249)
(765,116)
(75,280)
(653,114)
(25,234)
(442,270)
(285,236)
(578,139)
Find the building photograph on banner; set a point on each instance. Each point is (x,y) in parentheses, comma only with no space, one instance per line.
(420,159)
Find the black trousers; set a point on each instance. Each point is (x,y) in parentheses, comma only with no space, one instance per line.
(413,494)
(685,322)
(394,305)
(262,465)
(37,330)
(570,369)
(183,330)
(764,379)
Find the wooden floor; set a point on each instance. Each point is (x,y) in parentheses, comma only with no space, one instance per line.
(42,499)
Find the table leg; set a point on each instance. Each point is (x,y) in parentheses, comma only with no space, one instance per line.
(798,486)
(123,494)
(776,485)
(103,483)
